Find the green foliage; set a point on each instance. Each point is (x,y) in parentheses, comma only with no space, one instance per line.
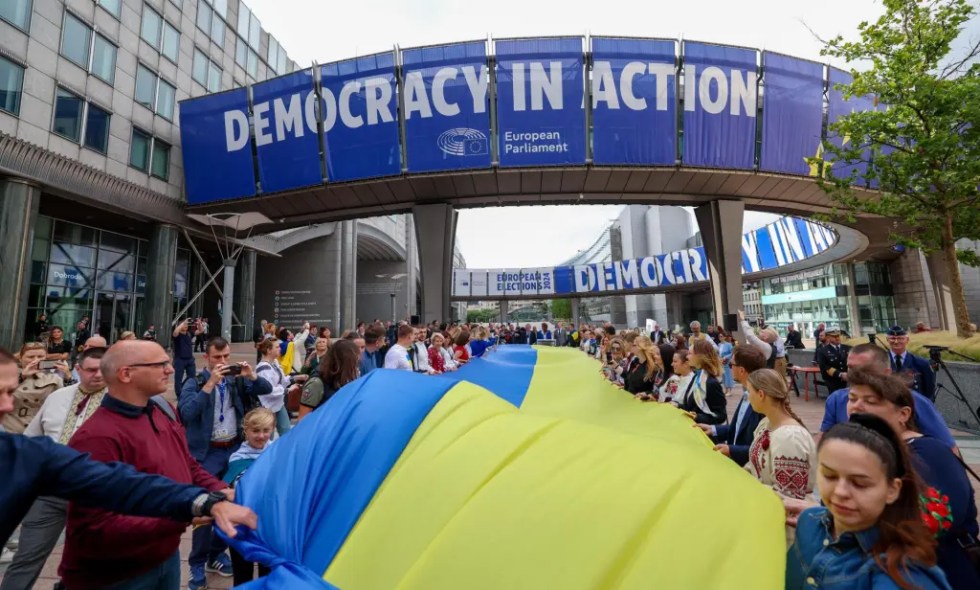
(921,143)
(924,138)
(481,316)
(561,309)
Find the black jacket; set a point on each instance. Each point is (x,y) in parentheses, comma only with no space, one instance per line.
(795,339)
(634,379)
(715,398)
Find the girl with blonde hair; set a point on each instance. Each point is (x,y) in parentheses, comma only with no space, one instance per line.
(783,454)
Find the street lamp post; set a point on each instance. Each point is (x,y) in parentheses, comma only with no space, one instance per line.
(392,308)
(232,224)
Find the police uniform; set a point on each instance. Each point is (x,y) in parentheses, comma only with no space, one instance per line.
(832,361)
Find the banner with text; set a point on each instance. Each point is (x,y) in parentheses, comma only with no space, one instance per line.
(634,101)
(720,100)
(447,119)
(360,117)
(216,147)
(540,102)
(786,241)
(286,137)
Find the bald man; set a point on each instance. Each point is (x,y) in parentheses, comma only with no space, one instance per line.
(130,428)
(38,466)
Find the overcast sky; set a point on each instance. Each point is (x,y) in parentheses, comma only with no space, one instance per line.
(314,30)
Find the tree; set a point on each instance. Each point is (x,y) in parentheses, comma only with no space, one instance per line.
(561,309)
(922,142)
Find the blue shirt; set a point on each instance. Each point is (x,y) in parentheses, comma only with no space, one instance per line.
(369,361)
(38,466)
(927,417)
(816,560)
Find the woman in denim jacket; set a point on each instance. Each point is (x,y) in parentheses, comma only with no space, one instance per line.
(869,534)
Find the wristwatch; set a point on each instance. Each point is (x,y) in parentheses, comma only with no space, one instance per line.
(203,503)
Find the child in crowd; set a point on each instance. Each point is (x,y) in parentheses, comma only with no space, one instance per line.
(258,426)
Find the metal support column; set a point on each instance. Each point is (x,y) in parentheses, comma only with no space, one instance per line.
(720,223)
(18,215)
(228,298)
(161,264)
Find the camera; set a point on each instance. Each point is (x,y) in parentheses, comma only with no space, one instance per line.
(235,369)
(47,365)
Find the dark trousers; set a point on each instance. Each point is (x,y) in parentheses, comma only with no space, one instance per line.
(39,533)
(165,576)
(205,545)
(183,369)
(244,570)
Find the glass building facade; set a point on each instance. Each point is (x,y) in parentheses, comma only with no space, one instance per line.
(81,272)
(820,295)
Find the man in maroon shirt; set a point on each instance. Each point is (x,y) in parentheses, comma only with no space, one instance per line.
(105,548)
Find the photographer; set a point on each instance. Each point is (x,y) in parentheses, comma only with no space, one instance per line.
(211,407)
(38,378)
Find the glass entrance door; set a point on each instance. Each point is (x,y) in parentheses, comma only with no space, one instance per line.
(112,315)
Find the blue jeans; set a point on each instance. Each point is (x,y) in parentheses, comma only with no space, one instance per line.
(282,421)
(183,369)
(205,545)
(165,576)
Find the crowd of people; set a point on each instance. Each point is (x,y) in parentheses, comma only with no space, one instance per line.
(880,496)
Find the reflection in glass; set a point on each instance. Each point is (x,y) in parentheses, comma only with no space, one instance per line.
(97,129)
(104,59)
(146,82)
(139,150)
(75,40)
(11,84)
(68,115)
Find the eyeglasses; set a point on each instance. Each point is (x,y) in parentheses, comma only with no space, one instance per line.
(156,365)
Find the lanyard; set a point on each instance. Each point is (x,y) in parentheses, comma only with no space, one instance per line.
(222,389)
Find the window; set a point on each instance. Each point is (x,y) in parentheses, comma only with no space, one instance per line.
(97,129)
(166,97)
(11,85)
(113,7)
(206,72)
(152,26)
(93,52)
(149,154)
(155,93)
(139,150)
(74,119)
(17,13)
(76,39)
(104,59)
(210,22)
(145,87)
(161,160)
(249,27)
(246,58)
(277,58)
(171,42)
(160,34)
(68,115)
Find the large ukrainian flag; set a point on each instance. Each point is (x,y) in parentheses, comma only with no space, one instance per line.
(525,469)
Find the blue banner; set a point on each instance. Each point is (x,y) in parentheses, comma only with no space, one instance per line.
(634,101)
(360,118)
(540,95)
(792,113)
(837,108)
(447,115)
(217,147)
(286,136)
(720,101)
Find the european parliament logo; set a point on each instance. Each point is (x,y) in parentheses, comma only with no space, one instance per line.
(463,141)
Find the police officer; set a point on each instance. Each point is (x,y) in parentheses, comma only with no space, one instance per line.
(906,364)
(832,360)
